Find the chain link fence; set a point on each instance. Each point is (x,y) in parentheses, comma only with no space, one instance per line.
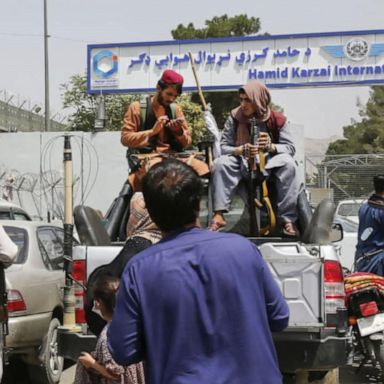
(341,177)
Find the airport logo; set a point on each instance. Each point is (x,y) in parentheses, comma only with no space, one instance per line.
(105,63)
(356,49)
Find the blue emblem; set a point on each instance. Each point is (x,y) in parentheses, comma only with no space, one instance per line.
(355,49)
(105,63)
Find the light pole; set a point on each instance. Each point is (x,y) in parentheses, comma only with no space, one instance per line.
(46,73)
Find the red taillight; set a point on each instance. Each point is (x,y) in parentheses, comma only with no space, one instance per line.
(333,272)
(79,275)
(15,301)
(333,287)
(369,309)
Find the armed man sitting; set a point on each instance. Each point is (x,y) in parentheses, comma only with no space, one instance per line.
(275,139)
(160,127)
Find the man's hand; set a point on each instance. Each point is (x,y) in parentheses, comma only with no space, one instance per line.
(249,151)
(176,125)
(159,125)
(264,141)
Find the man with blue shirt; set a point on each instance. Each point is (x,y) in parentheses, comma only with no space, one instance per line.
(199,306)
(370,243)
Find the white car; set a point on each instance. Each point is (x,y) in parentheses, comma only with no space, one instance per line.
(35,298)
(347,246)
(349,209)
(11,211)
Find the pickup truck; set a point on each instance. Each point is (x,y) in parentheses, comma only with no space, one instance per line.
(309,274)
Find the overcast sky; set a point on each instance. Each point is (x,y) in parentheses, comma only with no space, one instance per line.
(72,24)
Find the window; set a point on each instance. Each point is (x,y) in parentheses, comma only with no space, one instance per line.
(20,237)
(51,248)
(349,209)
(20,216)
(5,215)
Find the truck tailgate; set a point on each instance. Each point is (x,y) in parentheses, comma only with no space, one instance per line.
(299,276)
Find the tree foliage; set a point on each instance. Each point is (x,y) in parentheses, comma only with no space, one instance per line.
(366,136)
(219,26)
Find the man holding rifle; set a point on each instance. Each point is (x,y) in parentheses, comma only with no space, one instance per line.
(157,127)
(275,139)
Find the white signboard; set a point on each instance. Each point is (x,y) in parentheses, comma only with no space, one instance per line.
(317,59)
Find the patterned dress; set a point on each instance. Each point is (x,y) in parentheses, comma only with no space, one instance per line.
(133,374)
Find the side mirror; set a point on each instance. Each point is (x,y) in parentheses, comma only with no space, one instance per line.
(337,233)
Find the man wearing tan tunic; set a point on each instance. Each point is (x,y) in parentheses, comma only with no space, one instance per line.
(162,131)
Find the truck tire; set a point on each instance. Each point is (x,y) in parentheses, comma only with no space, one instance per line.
(51,368)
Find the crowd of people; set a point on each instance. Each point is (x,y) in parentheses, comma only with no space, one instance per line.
(185,304)
(185,312)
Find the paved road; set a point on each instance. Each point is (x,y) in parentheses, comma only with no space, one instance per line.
(346,375)
(68,375)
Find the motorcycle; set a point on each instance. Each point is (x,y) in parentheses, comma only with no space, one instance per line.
(365,306)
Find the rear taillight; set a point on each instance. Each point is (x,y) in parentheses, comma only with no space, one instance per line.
(79,275)
(333,288)
(15,302)
(369,309)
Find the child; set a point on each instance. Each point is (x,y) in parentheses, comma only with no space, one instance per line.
(98,367)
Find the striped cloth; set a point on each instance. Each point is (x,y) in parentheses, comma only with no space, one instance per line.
(358,281)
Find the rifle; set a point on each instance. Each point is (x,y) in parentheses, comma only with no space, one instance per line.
(256,177)
(252,174)
(265,201)
(167,155)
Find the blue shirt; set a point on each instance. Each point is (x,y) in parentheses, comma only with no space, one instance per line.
(371,228)
(199,307)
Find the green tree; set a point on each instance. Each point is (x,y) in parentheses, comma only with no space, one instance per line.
(367,135)
(219,26)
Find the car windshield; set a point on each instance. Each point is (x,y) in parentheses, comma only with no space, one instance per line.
(20,237)
(349,209)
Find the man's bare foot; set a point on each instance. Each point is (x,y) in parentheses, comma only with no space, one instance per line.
(217,223)
(290,229)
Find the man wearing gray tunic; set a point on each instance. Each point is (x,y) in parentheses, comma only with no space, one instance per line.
(275,139)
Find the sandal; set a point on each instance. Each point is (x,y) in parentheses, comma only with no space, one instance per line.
(215,226)
(290,229)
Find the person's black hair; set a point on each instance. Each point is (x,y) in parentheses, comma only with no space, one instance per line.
(163,86)
(105,290)
(172,192)
(378,183)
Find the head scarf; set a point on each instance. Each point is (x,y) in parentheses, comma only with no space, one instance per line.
(260,97)
(139,222)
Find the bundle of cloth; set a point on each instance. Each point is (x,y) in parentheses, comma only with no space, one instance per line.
(359,281)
